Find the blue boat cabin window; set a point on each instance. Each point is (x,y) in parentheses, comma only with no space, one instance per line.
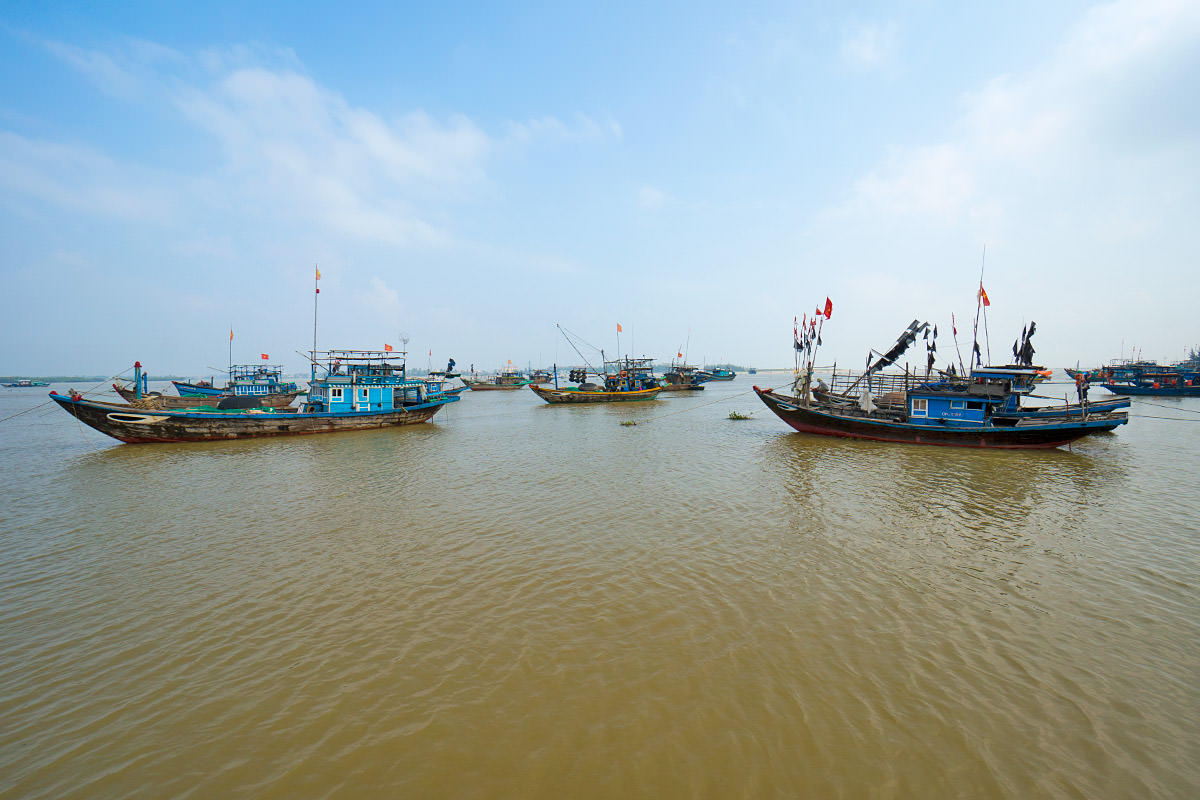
(958,404)
(975,405)
(920,407)
(335,393)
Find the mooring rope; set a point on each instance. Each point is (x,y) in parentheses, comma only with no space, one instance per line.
(45,403)
(694,408)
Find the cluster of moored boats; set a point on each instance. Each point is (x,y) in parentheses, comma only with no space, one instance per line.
(980,406)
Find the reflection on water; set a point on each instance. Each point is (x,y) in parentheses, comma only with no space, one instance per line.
(536,601)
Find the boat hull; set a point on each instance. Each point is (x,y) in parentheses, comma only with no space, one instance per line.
(482,386)
(556,396)
(137,426)
(165,401)
(1151,391)
(1023,435)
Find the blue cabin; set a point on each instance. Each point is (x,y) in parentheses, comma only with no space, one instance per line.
(364,381)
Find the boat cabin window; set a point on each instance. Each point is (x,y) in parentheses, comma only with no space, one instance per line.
(920,407)
(335,393)
(958,404)
(974,404)
(364,393)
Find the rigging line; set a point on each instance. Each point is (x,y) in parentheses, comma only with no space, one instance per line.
(563,331)
(1172,419)
(1169,408)
(26,411)
(49,402)
(701,405)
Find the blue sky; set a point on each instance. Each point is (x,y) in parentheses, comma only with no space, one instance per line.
(471,174)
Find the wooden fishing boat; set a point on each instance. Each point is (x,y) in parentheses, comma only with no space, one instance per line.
(682,377)
(358,390)
(140,396)
(625,380)
(245,380)
(506,380)
(717,374)
(948,418)
(982,409)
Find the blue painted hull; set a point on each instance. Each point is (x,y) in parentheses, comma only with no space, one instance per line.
(1024,434)
(136,425)
(1152,391)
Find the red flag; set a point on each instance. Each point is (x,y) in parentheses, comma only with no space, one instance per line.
(818,312)
(231,334)
(318,271)
(828,308)
(431,351)
(953,325)
(387,348)
(983,296)
(264,356)
(619,329)
(679,355)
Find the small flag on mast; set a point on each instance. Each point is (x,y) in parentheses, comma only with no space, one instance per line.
(231,334)
(264,356)
(828,308)
(318,271)
(387,348)
(983,296)
(619,329)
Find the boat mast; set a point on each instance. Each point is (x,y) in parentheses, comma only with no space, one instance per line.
(316,295)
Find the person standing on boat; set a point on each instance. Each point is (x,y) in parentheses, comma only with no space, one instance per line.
(1081,386)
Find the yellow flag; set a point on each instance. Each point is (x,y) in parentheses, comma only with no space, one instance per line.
(318,272)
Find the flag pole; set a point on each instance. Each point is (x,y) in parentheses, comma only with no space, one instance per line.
(316,296)
(978,306)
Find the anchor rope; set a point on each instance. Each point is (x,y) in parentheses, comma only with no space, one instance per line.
(701,405)
(45,403)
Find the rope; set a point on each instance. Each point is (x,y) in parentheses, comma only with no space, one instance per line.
(1172,419)
(1169,408)
(701,405)
(48,402)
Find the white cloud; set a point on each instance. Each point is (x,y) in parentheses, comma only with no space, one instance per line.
(1022,137)
(870,45)
(382,299)
(651,198)
(83,180)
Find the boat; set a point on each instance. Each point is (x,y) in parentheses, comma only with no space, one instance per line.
(349,390)
(682,377)
(245,380)
(140,396)
(751,371)
(507,379)
(717,374)
(1151,380)
(25,383)
(448,373)
(541,376)
(437,384)
(982,409)
(624,380)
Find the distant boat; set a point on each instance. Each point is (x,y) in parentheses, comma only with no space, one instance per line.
(541,376)
(624,380)
(717,374)
(507,379)
(751,371)
(245,380)
(682,377)
(359,390)
(447,373)
(24,383)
